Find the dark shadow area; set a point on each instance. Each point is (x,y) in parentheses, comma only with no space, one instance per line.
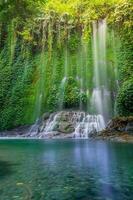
(6,168)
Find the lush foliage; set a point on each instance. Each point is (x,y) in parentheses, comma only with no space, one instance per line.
(124,20)
(73,96)
(125,99)
(36,39)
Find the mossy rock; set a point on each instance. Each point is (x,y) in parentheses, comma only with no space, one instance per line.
(66,127)
(122,124)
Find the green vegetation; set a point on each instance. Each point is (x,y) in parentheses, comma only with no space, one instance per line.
(72,94)
(124,99)
(36,40)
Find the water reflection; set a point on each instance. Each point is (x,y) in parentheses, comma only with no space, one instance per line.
(69,169)
(6,168)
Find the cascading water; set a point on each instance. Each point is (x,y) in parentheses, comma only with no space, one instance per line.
(42,70)
(63,82)
(89,125)
(83,69)
(115,39)
(62,92)
(76,66)
(101,99)
(51,123)
(77,123)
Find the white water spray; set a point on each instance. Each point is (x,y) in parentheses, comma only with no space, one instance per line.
(90,124)
(101,98)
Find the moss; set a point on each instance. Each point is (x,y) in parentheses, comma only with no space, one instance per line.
(31,27)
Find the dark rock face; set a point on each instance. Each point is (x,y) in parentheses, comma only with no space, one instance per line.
(129,127)
(121,124)
(45,116)
(17,132)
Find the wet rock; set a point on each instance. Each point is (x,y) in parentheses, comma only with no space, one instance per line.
(78,123)
(121,124)
(119,129)
(66,127)
(129,127)
(16,132)
(45,116)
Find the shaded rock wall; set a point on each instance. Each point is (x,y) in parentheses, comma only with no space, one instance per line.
(121,124)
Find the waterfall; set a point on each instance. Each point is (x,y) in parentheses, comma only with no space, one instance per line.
(76,123)
(115,39)
(40,86)
(101,98)
(41,61)
(83,69)
(89,125)
(93,86)
(63,82)
(62,92)
(51,123)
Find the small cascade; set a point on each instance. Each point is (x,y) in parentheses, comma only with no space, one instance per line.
(51,123)
(34,129)
(75,123)
(57,119)
(101,101)
(62,92)
(89,125)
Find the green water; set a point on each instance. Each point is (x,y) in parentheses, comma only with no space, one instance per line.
(65,170)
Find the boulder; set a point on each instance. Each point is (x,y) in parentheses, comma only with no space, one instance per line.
(66,127)
(121,124)
(129,127)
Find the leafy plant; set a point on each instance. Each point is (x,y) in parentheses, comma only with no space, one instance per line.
(124,101)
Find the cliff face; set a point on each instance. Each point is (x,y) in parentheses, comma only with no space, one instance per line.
(121,124)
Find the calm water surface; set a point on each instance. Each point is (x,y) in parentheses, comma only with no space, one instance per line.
(65,170)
